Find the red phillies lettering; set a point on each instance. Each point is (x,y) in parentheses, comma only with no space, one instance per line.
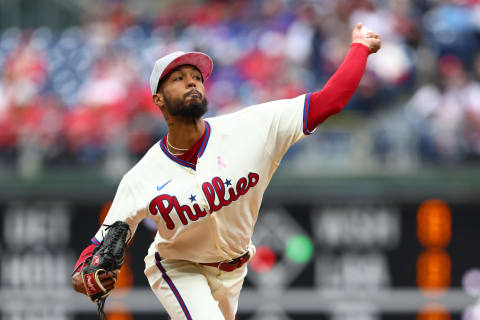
(233,195)
(214,190)
(252,179)
(158,205)
(242,186)
(220,190)
(209,192)
(181,210)
(199,212)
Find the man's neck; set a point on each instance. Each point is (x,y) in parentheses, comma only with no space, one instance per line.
(183,134)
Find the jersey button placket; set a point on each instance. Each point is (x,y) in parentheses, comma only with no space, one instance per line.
(202,201)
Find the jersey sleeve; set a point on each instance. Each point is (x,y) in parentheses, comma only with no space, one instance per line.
(281,123)
(340,87)
(124,208)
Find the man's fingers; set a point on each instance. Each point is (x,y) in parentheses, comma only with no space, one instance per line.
(108,279)
(108,275)
(376,46)
(77,283)
(114,273)
(104,275)
(358,26)
(108,284)
(363,35)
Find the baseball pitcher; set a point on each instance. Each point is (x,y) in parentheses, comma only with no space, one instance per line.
(203,183)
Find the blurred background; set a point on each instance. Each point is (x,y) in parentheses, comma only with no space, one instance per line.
(373,217)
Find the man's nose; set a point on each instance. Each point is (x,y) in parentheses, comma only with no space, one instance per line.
(191,83)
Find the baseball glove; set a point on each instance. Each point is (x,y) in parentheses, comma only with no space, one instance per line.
(108,256)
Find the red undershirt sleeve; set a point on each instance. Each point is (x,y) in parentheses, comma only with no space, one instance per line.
(87,252)
(339,88)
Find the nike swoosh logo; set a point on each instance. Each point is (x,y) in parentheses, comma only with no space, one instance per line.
(161,187)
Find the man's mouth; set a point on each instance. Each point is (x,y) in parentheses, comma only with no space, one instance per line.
(194,94)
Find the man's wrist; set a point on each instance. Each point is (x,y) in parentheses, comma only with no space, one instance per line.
(361,45)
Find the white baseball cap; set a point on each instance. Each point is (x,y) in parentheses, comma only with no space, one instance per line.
(167,63)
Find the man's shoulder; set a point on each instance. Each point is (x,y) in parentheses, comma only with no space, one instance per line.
(255,111)
(239,112)
(149,160)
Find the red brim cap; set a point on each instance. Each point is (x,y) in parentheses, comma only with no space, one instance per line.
(169,62)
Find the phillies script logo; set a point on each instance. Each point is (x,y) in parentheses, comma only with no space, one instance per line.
(91,286)
(215,193)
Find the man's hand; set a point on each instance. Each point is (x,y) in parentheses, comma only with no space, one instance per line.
(108,280)
(366,37)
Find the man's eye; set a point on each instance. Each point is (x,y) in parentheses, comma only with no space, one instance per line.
(197,77)
(177,78)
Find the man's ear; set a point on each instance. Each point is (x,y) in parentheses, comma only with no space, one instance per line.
(158,100)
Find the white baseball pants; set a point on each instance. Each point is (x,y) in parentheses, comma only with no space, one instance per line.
(190,291)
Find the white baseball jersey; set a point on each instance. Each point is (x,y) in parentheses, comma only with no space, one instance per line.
(207,212)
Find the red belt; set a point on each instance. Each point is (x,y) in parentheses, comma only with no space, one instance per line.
(229,265)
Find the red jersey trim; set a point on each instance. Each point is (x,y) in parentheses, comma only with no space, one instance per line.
(184,163)
(175,159)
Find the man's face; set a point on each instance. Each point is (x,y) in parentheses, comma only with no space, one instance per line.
(183,93)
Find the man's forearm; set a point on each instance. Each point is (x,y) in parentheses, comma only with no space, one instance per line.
(340,87)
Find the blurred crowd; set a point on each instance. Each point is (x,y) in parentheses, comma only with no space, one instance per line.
(80,96)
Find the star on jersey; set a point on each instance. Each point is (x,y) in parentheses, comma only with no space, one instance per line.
(192,198)
(228,182)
